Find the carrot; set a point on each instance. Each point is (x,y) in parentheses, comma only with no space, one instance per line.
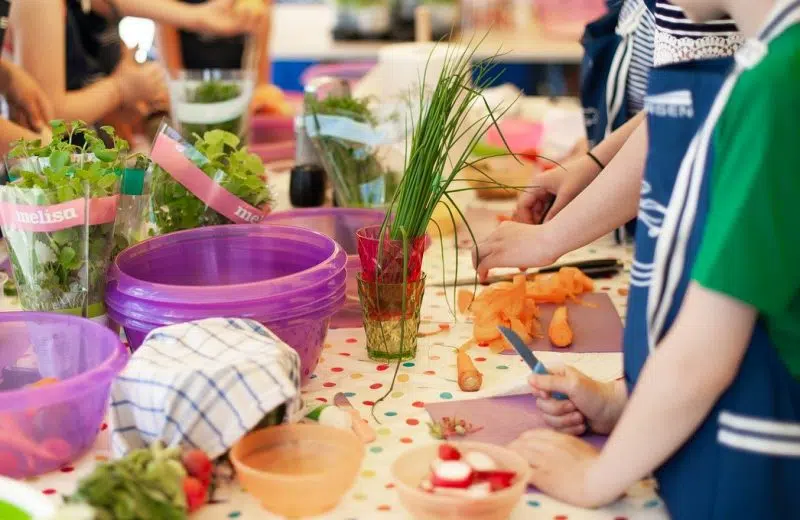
(465,299)
(469,378)
(44,382)
(560,332)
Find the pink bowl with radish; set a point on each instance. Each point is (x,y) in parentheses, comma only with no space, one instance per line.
(55,377)
(479,482)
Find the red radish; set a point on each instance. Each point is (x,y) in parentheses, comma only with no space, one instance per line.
(480,461)
(449,452)
(452,474)
(497,479)
(198,465)
(452,492)
(195,493)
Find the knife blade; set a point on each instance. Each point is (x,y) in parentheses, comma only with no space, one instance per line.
(591,268)
(527,354)
(363,430)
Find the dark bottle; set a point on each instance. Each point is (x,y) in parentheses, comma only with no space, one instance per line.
(307,182)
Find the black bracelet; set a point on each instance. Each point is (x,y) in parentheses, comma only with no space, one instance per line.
(596,160)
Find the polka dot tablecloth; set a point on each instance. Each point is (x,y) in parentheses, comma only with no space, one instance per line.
(401,419)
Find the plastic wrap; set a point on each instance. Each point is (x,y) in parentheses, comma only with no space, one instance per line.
(58,222)
(189,189)
(355,146)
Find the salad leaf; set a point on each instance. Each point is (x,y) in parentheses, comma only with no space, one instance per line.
(214,91)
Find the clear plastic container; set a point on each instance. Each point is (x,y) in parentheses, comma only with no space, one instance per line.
(203,100)
(46,424)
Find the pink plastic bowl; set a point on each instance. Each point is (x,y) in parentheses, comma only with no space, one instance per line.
(43,428)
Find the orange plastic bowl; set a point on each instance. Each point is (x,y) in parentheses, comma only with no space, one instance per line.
(414,465)
(298,469)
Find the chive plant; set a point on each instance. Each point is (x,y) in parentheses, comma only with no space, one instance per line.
(444,121)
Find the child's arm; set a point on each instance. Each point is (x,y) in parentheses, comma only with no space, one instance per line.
(566,183)
(678,386)
(215,16)
(607,203)
(10,132)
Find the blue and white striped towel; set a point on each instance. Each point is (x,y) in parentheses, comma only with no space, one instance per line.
(202,384)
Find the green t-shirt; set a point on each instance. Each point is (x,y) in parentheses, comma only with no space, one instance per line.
(751,243)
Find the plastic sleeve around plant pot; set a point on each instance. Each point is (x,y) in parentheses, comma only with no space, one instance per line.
(182,162)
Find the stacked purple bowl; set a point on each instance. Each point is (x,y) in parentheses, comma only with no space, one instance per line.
(55,378)
(290,279)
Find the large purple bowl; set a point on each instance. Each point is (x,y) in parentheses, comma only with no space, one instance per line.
(304,333)
(273,274)
(45,427)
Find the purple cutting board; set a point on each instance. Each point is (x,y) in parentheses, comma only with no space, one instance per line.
(503,418)
(596,329)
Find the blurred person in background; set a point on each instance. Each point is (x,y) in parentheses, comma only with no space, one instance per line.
(28,105)
(73,49)
(193,50)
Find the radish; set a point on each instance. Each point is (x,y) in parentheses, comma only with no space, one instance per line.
(480,461)
(498,480)
(452,474)
(449,452)
(480,490)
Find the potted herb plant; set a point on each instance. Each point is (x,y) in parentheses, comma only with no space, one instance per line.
(216,181)
(367,18)
(58,215)
(453,118)
(203,100)
(444,16)
(349,141)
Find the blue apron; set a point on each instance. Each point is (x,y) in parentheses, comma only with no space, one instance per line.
(744,460)
(600,43)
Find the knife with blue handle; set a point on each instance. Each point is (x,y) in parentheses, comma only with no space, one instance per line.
(522,349)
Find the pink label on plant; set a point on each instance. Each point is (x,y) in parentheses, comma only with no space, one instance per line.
(168,154)
(25,217)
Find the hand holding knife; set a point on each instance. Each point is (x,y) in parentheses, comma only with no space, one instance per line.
(522,349)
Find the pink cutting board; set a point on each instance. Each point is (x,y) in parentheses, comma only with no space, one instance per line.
(596,329)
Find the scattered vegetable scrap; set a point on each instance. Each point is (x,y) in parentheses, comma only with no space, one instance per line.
(451,427)
(443,327)
(469,378)
(514,304)
(559,332)
(471,474)
(45,381)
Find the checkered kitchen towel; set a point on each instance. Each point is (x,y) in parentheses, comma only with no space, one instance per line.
(202,384)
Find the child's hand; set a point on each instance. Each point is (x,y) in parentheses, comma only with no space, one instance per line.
(29,104)
(564,467)
(228,18)
(599,404)
(513,245)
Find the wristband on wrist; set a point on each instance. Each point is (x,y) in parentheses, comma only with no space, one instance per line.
(597,161)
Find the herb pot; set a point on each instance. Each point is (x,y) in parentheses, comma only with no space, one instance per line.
(58,221)
(373,20)
(203,100)
(382,260)
(391,314)
(214,182)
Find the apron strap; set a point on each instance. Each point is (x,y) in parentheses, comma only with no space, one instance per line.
(617,84)
(670,252)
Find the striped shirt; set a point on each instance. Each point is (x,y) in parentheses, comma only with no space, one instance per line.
(678,39)
(642,58)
